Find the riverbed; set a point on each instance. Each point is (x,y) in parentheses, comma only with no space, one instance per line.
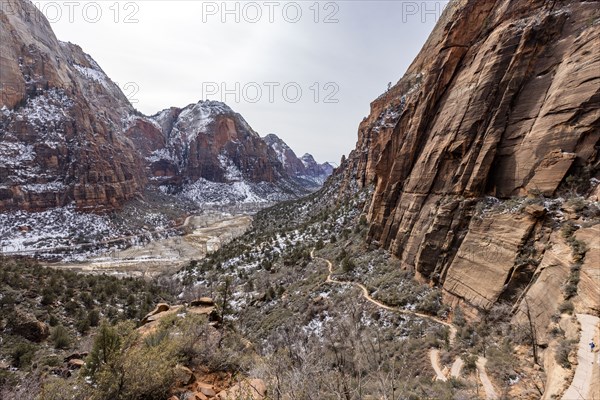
(204,234)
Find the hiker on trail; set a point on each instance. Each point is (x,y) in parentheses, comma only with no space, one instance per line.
(592,345)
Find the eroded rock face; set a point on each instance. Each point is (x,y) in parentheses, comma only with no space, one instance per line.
(484,263)
(60,136)
(588,289)
(209,140)
(304,168)
(69,135)
(502,101)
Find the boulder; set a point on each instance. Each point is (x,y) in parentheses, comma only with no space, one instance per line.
(183,375)
(75,363)
(160,308)
(80,356)
(250,389)
(207,392)
(203,302)
(536,210)
(27,326)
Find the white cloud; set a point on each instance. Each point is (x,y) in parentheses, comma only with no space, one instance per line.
(171,52)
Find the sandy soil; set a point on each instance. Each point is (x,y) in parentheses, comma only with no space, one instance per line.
(205,233)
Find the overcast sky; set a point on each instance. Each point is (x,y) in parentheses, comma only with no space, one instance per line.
(304,70)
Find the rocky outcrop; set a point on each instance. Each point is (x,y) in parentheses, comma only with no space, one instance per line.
(60,136)
(304,168)
(29,327)
(252,389)
(588,289)
(546,293)
(286,156)
(501,102)
(315,171)
(207,140)
(484,263)
(69,135)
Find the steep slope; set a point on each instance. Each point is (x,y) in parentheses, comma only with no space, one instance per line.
(292,164)
(203,141)
(318,172)
(208,153)
(69,135)
(305,168)
(502,101)
(60,136)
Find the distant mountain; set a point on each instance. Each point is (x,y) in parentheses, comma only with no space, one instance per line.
(305,168)
(318,172)
(210,154)
(60,136)
(69,135)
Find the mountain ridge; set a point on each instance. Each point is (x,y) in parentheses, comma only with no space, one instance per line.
(62,114)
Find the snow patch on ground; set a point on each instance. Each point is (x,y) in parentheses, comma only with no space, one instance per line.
(232,172)
(14,154)
(216,193)
(21,231)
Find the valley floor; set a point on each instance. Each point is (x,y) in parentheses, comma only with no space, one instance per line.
(205,233)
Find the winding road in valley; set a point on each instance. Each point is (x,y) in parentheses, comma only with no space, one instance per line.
(434,354)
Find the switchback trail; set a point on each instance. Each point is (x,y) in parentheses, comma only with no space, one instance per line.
(587,362)
(490,392)
(434,357)
(367,296)
(488,387)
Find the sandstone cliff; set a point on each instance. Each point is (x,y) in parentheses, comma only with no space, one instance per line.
(69,135)
(60,137)
(501,102)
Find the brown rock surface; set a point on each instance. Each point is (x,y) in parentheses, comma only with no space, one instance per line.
(202,302)
(206,140)
(588,289)
(251,389)
(27,326)
(546,293)
(159,309)
(60,136)
(484,263)
(75,363)
(183,375)
(502,101)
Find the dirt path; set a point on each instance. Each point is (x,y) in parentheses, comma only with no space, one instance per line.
(434,354)
(367,296)
(456,367)
(587,361)
(434,357)
(488,387)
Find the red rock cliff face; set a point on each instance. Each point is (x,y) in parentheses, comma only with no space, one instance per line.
(502,101)
(69,135)
(60,135)
(207,140)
